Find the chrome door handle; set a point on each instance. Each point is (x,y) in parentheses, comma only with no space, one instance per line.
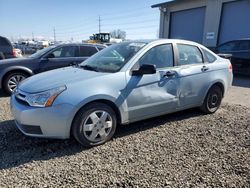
(169,74)
(204,68)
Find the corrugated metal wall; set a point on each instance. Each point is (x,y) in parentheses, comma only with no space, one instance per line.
(235,21)
(188,24)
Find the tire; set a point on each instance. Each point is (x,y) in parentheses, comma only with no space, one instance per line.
(12,80)
(2,56)
(213,100)
(89,129)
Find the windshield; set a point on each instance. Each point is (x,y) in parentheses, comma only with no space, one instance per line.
(113,58)
(41,52)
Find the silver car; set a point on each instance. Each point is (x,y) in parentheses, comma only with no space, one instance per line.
(123,83)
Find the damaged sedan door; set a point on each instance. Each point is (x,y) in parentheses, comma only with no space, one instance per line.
(153,84)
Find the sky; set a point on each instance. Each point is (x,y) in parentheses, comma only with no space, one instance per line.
(78,19)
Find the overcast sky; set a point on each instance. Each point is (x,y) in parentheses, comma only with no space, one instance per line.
(78,19)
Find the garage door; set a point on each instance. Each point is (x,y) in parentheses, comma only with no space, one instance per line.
(235,22)
(188,24)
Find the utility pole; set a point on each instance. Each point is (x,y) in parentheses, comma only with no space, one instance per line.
(99,24)
(33,36)
(54,34)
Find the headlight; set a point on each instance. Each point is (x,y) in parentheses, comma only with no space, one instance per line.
(44,99)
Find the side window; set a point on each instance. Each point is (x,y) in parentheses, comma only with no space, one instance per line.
(100,48)
(189,54)
(227,47)
(210,57)
(66,51)
(86,51)
(244,45)
(161,56)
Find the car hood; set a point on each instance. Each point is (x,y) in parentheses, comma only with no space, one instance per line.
(14,60)
(56,78)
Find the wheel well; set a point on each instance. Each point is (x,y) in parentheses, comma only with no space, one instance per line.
(107,102)
(221,86)
(112,105)
(13,71)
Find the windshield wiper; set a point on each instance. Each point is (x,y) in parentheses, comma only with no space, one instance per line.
(87,67)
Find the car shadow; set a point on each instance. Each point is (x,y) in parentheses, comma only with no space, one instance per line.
(17,149)
(2,94)
(241,81)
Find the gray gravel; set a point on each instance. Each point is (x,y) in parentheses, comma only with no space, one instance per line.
(185,149)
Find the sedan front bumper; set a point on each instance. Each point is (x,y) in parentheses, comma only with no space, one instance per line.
(49,122)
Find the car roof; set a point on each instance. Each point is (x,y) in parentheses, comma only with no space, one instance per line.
(148,41)
(80,44)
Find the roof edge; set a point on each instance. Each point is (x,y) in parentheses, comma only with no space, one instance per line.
(160,4)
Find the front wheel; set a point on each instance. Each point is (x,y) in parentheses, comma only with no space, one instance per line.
(213,100)
(94,124)
(12,80)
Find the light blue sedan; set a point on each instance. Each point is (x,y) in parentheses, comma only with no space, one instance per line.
(123,83)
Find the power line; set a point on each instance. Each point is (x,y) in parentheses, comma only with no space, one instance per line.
(121,21)
(138,10)
(131,23)
(88,23)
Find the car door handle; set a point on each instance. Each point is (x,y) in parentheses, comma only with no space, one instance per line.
(204,68)
(169,74)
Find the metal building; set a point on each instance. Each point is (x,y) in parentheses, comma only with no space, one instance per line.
(209,22)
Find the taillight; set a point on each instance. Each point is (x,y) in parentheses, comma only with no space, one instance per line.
(14,52)
(230,67)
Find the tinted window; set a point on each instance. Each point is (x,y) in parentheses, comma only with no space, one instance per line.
(4,42)
(210,57)
(227,47)
(243,45)
(41,52)
(161,56)
(189,54)
(66,51)
(86,51)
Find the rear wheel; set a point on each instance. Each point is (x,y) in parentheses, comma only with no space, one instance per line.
(94,124)
(213,100)
(12,80)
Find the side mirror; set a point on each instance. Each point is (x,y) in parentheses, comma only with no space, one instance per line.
(145,69)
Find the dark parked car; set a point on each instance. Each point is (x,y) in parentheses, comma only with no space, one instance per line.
(240,50)
(6,49)
(13,71)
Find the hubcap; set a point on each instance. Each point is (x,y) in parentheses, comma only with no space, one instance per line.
(97,126)
(14,81)
(213,101)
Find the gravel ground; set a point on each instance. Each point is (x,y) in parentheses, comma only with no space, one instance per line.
(239,93)
(185,149)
